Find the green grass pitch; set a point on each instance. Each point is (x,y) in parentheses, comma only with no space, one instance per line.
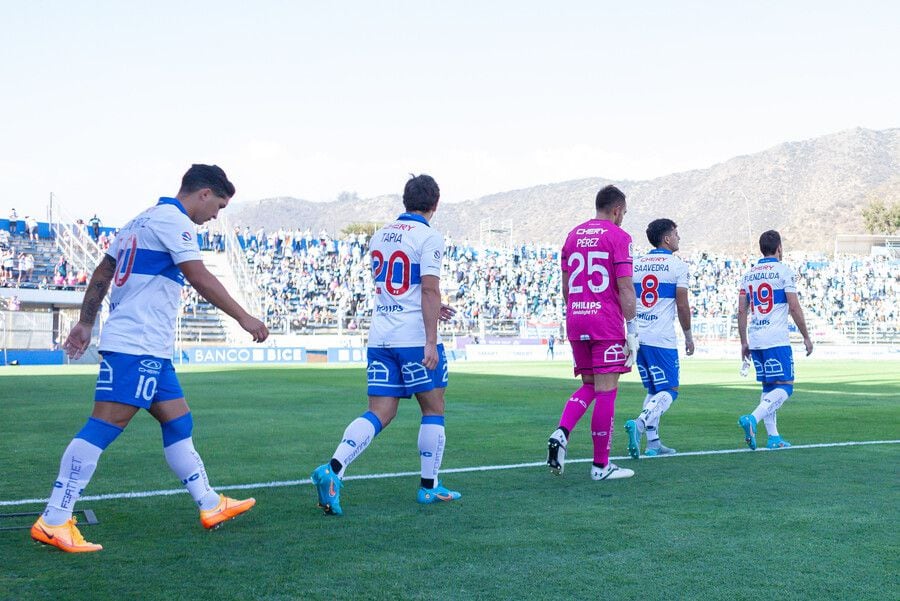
(818,523)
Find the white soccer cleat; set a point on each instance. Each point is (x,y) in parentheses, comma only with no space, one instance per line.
(556,452)
(610,472)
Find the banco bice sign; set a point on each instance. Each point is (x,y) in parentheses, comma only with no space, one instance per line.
(232,354)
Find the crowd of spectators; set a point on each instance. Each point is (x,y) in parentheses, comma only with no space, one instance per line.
(316,279)
(311,280)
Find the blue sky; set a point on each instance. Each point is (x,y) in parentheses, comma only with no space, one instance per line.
(106,104)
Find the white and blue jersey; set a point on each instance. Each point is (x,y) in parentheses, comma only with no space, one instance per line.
(402,252)
(766,287)
(146,290)
(656,277)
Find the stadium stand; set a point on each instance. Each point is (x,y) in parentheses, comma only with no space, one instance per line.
(305,283)
(200,321)
(320,283)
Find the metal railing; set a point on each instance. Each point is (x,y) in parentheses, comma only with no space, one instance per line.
(243,273)
(79,249)
(866,332)
(26,330)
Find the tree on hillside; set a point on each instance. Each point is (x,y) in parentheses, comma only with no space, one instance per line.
(881,218)
(367,228)
(345,197)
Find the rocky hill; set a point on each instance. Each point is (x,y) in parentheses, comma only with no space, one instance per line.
(809,190)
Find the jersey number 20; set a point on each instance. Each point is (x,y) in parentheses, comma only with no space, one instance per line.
(389,269)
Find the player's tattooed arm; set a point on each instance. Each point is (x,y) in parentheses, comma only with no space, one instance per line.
(96,290)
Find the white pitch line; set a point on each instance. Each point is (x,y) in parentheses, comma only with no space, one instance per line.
(458,470)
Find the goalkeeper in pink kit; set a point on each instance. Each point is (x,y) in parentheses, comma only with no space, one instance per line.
(600,309)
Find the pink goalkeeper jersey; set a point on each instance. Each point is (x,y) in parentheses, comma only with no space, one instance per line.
(595,254)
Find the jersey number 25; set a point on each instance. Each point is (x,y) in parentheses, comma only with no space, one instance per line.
(577,262)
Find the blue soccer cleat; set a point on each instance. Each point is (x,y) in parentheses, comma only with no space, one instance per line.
(748,423)
(777,442)
(634,439)
(437,494)
(328,485)
(659,451)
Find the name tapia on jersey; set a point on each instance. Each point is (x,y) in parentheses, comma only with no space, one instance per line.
(401,253)
(594,255)
(765,287)
(657,276)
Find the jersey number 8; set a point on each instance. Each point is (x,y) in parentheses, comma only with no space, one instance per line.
(649,290)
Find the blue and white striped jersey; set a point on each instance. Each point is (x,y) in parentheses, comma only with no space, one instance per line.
(656,276)
(402,252)
(146,291)
(766,286)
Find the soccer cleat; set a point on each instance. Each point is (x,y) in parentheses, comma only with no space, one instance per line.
(328,485)
(660,450)
(437,494)
(634,439)
(777,442)
(748,423)
(227,509)
(556,452)
(65,536)
(610,472)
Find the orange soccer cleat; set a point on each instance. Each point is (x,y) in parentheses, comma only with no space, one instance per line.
(65,536)
(227,509)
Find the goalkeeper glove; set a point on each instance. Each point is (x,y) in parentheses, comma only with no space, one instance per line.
(632,343)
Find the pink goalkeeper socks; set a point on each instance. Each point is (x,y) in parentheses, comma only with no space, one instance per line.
(602,425)
(576,407)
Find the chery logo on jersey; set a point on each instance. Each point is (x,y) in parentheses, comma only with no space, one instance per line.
(150,366)
(590,231)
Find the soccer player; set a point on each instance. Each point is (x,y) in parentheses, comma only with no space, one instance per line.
(769,294)
(405,356)
(600,303)
(146,267)
(660,283)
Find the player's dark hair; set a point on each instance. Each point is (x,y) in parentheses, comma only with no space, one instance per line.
(206,176)
(769,242)
(421,193)
(658,229)
(609,197)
